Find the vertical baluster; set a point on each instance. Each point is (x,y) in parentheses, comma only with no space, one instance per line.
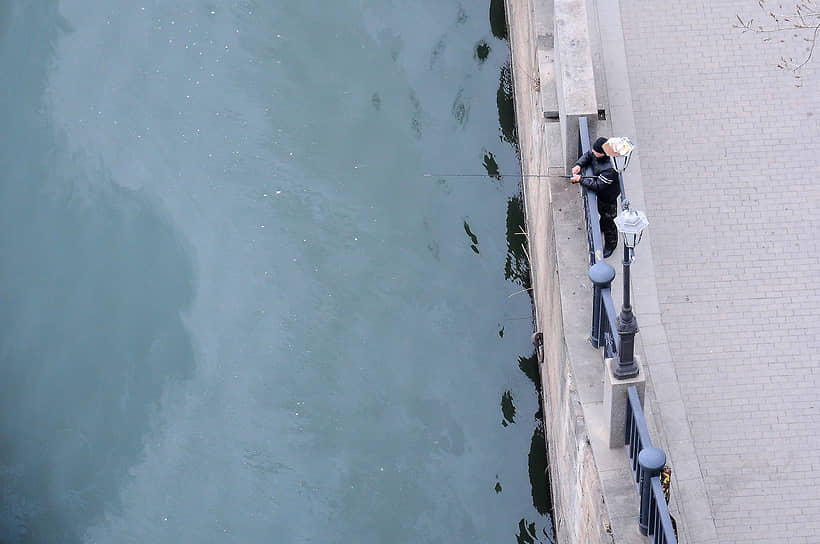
(653,514)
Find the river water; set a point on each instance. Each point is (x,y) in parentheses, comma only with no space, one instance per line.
(233,307)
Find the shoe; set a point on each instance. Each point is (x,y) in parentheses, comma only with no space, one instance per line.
(608,252)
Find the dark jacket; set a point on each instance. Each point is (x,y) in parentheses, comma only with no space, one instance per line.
(605,184)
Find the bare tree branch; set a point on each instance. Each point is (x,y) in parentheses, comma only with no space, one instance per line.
(803,19)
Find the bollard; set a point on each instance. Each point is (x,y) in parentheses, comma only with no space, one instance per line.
(601,275)
(651,461)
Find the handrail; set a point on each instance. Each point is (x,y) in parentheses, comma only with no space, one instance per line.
(594,239)
(636,434)
(603,326)
(612,341)
(583,134)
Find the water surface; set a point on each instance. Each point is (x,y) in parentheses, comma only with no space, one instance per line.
(234,307)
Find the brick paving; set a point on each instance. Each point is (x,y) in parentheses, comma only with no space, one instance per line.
(731,180)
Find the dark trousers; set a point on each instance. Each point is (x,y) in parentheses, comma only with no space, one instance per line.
(608,212)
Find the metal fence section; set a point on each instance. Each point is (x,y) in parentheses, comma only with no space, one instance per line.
(612,341)
(637,435)
(594,240)
(603,313)
(646,463)
(645,460)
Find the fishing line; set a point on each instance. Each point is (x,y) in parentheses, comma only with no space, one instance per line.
(502,176)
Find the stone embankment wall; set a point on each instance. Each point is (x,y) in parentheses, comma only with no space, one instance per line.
(580,511)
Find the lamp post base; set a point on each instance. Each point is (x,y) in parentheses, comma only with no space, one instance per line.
(627,325)
(627,371)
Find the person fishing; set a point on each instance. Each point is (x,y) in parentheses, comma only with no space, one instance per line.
(605,184)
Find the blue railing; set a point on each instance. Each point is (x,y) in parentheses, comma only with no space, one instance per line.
(612,341)
(637,435)
(645,460)
(603,307)
(596,245)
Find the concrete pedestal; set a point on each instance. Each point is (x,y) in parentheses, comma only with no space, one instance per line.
(615,399)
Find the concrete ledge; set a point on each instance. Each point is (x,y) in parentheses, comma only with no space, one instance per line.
(545,40)
(575,77)
(580,511)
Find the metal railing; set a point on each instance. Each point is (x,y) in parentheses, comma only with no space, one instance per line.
(645,460)
(603,307)
(637,435)
(594,240)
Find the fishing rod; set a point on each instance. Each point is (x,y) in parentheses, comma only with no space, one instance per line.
(503,176)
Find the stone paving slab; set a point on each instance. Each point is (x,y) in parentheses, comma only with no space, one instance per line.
(729,329)
(728,312)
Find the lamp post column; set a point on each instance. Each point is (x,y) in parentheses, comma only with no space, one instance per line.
(631,224)
(627,328)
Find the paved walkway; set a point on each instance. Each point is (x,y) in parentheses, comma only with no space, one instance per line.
(728,173)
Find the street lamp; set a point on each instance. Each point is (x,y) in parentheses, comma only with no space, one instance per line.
(631,224)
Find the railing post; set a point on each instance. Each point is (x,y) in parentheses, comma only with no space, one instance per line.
(651,461)
(601,275)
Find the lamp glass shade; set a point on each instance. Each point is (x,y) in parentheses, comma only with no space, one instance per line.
(619,150)
(620,146)
(631,224)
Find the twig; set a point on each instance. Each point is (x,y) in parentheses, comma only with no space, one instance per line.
(519,292)
(806,17)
